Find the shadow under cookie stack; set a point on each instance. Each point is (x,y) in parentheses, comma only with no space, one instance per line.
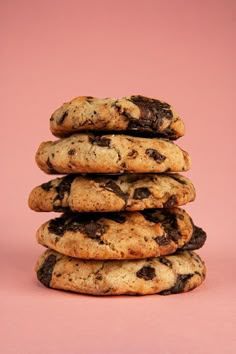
(121,231)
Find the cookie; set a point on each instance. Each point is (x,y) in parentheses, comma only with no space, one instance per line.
(128,235)
(165,275)
(94,193)
(133,114)
(88,153)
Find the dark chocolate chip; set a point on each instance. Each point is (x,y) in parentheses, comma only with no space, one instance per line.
(167,219)
(64,187)
(163,240)
(93,229)
(179,285)
(171,202)
(114,188)
(57,226)
(46,186)
(71,152)
(169,133)
(141,193)
(147,273)
(62,118)
(155,155)
(152,113)
(44,274)
(85,223)
(100,141)
(197,239)
(165,261)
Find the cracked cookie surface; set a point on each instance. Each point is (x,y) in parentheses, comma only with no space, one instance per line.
(180,272)
(132,114)
(88,153)
(127,235)
(95,193)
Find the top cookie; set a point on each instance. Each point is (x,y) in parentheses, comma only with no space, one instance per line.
(133,114)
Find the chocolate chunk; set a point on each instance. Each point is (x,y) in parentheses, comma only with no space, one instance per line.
(62,118)
(114,188)
(46,186)
(162,241)
(171,202)
(152,215)
(44,274)
(152,113)
(167,219)
(141,193)
(71,152)
(165,261)
(147,273)
(57,226)
(100,141)
(197,239)
(179,285)
(64,187)
(155,155)
(85,223)
(93,229)
(169,133)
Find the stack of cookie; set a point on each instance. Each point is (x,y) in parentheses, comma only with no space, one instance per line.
(121,231)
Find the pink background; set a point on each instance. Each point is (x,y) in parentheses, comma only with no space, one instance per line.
(180,51)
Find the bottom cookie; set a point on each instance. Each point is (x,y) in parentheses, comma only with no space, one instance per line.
(176,273)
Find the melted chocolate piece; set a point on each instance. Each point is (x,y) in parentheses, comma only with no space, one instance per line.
(44,274)
(163,240)
(62,118)
(88,224)
(100,141)
(114,188)
(168,221)
(46,186)
(93,229)
(169,133)
(146,273)
(155,155)
(179,285)
(64,187)
(197,239)
(165,261)
(57,226)
(152,113)
(141,193)
(171,202)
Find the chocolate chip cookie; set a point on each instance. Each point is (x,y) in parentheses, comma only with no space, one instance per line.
(133,114)
(95,193)
(128,235)
(121,235)
(88,153)
(180,272)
